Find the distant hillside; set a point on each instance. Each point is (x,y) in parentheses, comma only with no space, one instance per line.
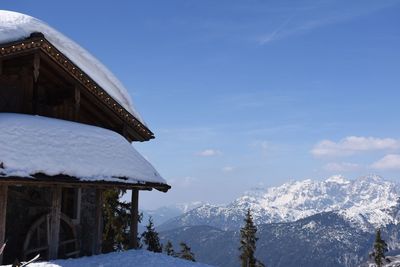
(322,240)
(165,213)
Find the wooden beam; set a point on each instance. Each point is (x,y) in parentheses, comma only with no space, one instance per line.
(98,236)
(55,215)
(134,219)
(36,66)
(50,181)
(3,215)
(77,94)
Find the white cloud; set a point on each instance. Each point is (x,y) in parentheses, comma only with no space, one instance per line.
(354,144)
(388,162)
(228,169)
(341,167)
(262,145)
(209,153)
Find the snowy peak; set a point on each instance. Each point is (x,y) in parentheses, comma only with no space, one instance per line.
(185,207)
(366,202)
(338,179)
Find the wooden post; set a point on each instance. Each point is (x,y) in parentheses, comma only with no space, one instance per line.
(77,96)
(98,237)
(3,215)
(55,215)
(134,219)
(35,89)
(36,66)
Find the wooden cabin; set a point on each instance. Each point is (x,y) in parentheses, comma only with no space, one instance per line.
(66,128)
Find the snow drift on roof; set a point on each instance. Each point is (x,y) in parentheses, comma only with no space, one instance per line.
(34,144)
(16,26)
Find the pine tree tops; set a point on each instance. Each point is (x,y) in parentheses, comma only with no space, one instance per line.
(169,249)
(380,248)
(248,241)
(151,239)
(186,252)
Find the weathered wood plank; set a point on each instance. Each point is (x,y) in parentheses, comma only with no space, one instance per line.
(98,237)
(134,219)
(77,95)
(3,213)
(55,216)
(36,66)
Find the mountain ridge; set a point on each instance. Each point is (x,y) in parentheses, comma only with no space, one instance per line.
(365,202)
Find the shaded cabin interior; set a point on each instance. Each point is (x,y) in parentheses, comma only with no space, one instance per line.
(58,216)
(29,210)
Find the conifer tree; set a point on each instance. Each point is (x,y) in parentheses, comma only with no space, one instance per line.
(169,249)
(186,252)
(116,216)
(380,248)
(248,241)
(150,238)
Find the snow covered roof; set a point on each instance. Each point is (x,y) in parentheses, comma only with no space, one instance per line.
(16,26)
(32,145)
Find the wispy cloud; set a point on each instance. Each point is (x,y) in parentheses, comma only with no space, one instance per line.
(274,35)
(209,153)
(353,145)
(328,12)
(341,167)
(388,162)
(228,169)
(263,145)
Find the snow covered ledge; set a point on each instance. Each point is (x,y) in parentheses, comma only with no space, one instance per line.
(34,145)
(138,258)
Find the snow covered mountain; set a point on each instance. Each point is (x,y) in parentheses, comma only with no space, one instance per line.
(366,202)
(324,239)
(166,213)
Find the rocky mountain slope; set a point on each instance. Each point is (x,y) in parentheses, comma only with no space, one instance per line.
(165,213)
(324,239)
(365,202)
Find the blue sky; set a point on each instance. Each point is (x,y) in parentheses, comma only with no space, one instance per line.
(248,93)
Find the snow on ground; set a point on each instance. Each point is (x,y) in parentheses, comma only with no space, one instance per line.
(16,26)
(391,261)
(137,258)
(34,144)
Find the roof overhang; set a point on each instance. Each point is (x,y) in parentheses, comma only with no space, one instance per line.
(37,41)
(35,149)
(44,180)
